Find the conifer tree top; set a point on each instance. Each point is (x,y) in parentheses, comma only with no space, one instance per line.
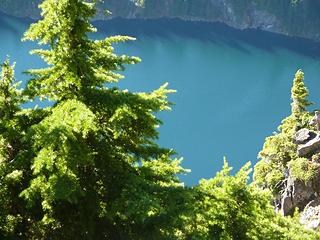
(299,94)
(76,63)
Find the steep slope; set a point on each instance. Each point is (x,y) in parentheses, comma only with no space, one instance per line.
(289,163)
(295,18)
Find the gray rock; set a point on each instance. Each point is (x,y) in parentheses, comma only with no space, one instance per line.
(296,194)
(304,135)
(315,121)
(286,204)
(309,148)
(310,217)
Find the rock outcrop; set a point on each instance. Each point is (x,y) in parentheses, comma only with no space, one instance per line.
(310,216)
(304,135)
(308,142)
(298,194)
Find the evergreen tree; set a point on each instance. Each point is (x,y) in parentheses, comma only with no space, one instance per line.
(279,151)
(299,95)
(92,168)
(89,167)
(228,208)
(9,100)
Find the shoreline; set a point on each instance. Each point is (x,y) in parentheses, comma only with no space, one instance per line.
(200,30)
(187,20)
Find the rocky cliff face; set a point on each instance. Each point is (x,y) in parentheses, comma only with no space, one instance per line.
(202,10)
(297,194)
(269,15)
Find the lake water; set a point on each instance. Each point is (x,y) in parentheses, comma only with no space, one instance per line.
(233,87)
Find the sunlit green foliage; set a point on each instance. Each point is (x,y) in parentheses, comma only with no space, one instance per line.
(299,95)
(303,169)
(227,207)
(89,166)
(76,63)
(91,159)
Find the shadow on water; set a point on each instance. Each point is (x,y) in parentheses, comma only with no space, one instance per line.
(217,33)
(6,25)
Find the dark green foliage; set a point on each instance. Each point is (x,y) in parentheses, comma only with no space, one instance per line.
(298,17)
(295,17)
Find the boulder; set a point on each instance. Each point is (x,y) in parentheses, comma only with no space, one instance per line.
(310,147)
(296,194)
(310,217)
(287,206)
(304,135)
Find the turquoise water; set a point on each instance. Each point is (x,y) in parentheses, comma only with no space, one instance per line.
(233,87)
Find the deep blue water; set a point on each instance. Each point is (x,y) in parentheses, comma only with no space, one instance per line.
(233,87)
